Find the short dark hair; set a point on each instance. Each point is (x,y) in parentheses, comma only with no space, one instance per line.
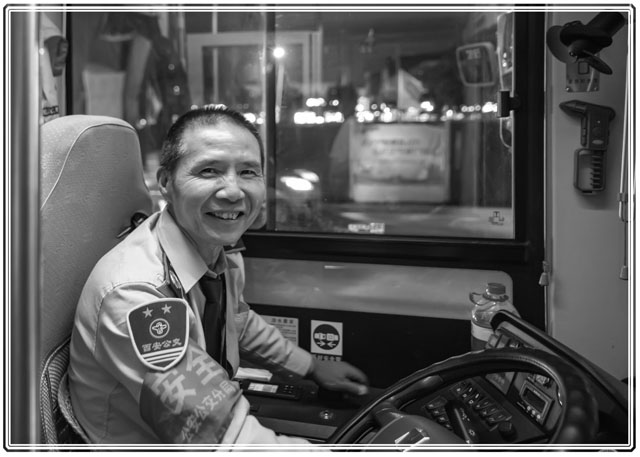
(173,145)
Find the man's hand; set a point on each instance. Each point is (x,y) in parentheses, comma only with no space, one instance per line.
(339,376)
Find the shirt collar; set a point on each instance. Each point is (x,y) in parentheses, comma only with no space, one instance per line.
(183,255)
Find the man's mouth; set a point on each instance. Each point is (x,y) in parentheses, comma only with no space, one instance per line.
(226,215)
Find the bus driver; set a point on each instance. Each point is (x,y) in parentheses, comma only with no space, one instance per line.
(161,322)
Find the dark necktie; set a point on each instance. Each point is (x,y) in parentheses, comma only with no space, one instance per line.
(213,320)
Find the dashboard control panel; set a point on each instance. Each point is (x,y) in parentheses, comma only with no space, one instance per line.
(503,407)
(479,413)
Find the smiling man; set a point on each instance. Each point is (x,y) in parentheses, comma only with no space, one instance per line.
(161,323)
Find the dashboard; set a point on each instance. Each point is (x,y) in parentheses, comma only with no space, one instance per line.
(480,412)
(492,406)
(519,407)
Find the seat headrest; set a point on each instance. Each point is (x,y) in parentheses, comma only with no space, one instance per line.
(91,185)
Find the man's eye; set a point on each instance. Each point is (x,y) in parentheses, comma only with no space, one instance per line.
(209,172)
(250,173)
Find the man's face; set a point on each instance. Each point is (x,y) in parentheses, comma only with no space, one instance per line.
(217,188)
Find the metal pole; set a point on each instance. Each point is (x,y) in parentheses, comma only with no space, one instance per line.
(24,247)
(271,124)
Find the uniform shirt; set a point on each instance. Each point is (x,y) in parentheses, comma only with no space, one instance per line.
(106,376)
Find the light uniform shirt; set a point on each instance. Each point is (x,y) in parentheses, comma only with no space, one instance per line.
(106,376)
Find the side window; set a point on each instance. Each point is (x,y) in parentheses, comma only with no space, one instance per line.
(394,131)
(384,124)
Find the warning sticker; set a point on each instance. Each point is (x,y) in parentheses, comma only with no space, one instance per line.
(288,326)
(326,337)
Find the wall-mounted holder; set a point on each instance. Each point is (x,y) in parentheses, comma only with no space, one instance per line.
(589,161)
(576,41)
(578,45)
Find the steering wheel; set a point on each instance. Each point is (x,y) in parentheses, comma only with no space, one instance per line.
(578,421)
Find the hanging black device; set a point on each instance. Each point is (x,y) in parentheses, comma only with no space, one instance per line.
(577,41)
(589,162)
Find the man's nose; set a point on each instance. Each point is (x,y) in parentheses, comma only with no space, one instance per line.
(230,189)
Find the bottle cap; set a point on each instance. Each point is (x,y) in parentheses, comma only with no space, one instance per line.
(495,288)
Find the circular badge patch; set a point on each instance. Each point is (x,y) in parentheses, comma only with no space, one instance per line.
(326,336)
(159,328)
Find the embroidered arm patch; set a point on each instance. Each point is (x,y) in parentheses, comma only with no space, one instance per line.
(192,402)
(159,332)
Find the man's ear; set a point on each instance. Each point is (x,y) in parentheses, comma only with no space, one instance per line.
(164,178)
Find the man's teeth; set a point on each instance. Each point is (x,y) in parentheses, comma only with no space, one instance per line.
(227,215)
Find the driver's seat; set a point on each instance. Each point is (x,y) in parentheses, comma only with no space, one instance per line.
(92,191)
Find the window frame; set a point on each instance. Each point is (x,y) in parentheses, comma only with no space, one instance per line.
(521,257)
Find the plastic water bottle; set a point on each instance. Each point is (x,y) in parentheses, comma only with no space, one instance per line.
(486,304)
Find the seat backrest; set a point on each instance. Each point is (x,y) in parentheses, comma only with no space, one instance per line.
(92,186)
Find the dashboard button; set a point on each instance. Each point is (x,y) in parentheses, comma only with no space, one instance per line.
(461,387)
(482,404)
(474,399)
(507,431)
(489,411)
(467,393)
(500,416)
(437,402)
(442,419)
(326,414)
